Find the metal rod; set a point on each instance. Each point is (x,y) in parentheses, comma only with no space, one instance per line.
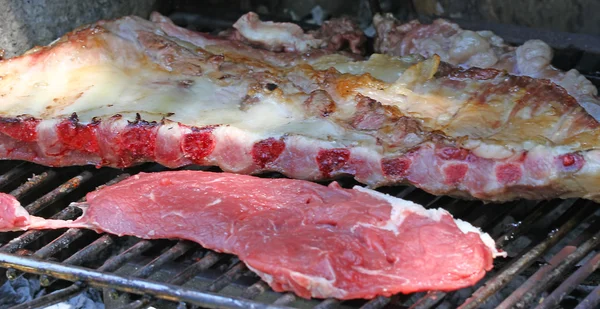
(127,284)
(188,273)
(117,261)
(180,248)
(32,183)
(430,300)
(554,299)
(15,172)
(376,303)
(254,290)
(232,274)
(90,251)
(562,268)
(591,301)
(140,303)
(406,191)
(284,299)
(53,247)
(540,277)
(210,259)
(59,192)
(59,243)
(174,252)
(328,304)
(51,299)
(507,274)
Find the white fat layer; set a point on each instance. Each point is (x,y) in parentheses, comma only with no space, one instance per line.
(488,151)
(103,90)
(319,287)
(466,227)
(400,208)
(383,67)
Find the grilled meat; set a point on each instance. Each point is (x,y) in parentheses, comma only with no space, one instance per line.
(118,93)
(481,49)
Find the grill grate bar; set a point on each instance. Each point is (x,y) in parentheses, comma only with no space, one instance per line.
(406,191)
(15,172)
(232,274)
(376,303)
(210,259)
(86,254)
(328,304)
(255,290)
(180,248)
(562,268)
(140,303)
(429,300)
(32,183)
(51,299)
(59,192)
(174,252)
(52,248)
(117,261)
(541,276)
(285,299)
(525,260)
(59,243)
(554,299)
(591,301)
(110,265)
(127,284)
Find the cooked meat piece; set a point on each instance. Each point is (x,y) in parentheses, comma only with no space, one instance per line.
(299,236)
(482,49)
(335,34)
(274,36)
(123,92)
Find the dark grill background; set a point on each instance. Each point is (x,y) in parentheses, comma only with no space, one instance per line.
(552,245)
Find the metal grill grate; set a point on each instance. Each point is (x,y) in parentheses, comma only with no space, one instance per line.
(558,262)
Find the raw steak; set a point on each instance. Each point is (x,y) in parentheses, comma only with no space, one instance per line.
(299,236)
(122,92)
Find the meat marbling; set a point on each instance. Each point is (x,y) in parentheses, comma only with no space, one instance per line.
(317,241)
(122,92)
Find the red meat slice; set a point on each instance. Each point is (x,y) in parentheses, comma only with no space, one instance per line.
(299,236)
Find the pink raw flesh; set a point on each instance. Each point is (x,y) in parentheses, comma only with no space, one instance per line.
(299,236)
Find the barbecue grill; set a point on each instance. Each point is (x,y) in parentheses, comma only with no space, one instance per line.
(553,246)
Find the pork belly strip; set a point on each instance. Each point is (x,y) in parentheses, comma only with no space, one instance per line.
(118,93)
(299,236)
(482,49)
